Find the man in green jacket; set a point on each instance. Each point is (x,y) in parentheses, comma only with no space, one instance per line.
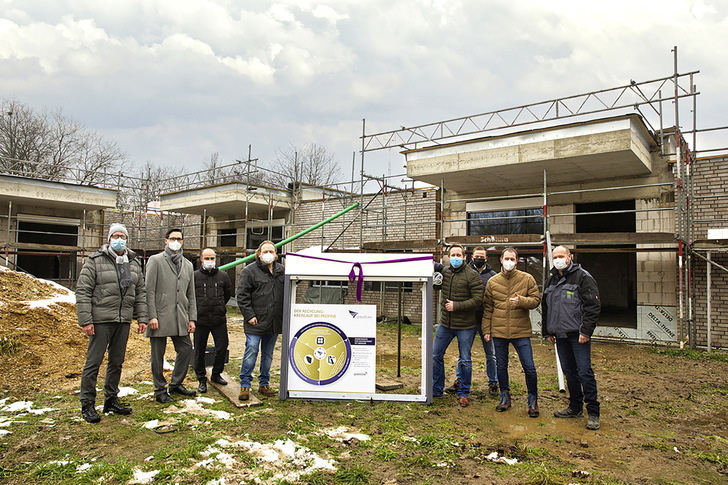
(461,295)
(509,296)
(109,293)
(172,313)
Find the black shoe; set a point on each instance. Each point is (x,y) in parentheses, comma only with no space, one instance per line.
(493,389)
(164,398)
(454,388)
(592,422)
(88,411)
(112,405)
(217,379)
(181,390)
(569,413)
(202,386)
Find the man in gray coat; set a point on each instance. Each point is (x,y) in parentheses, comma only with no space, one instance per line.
(172,313)
(109,293)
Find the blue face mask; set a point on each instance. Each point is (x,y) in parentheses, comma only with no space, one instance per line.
(456,262)
(118,244)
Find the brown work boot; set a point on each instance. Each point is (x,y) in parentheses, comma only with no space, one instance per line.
(463,401)
(244,394)
(493,389)
(505,401)
(266,391)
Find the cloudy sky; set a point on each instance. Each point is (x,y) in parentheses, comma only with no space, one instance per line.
(173,81)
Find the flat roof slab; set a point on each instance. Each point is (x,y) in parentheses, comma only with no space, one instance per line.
(603,149)
(42,194)
(225,200)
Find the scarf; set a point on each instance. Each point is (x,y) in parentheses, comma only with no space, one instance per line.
(176,257)
(122,268)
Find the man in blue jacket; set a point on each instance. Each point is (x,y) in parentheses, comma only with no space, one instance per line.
(570,309)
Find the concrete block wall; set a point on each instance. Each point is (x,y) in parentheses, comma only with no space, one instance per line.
(565,224)
(656,271)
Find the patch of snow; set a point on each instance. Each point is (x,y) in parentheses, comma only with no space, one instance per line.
(3,432)
(166,365)
(495,457)
(206,400)
(342,434)
(126,391)
(190,406)
(144,477)
(83,468)
(151,424)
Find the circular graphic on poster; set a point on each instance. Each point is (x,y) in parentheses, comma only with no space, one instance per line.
(320,353)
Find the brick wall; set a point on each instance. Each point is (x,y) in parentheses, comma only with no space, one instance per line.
(397,216)
(710,180)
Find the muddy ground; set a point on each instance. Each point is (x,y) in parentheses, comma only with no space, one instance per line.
(664,413)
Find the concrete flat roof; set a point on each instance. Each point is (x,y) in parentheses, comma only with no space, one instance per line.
(595,150)
(27,193)
(226,200)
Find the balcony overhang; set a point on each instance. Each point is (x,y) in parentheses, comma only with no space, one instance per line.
(44,197)
(595,150)
(227,200)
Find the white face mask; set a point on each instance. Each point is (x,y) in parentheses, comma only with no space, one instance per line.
(208,265)
(268,258)
(175,245)
(560,264)
(509,265)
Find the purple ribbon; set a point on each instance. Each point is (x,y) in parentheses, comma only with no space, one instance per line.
(358,265)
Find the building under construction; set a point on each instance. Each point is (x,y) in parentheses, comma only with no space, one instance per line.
(611,174)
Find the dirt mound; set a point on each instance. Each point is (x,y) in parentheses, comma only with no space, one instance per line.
(41,345)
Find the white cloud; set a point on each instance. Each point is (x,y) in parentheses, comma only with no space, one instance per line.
(173,81)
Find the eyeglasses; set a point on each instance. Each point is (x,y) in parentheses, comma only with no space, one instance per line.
(117,236)
(174,239)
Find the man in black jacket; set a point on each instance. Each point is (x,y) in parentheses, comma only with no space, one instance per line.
(260,298)
(212,291)
(570,310)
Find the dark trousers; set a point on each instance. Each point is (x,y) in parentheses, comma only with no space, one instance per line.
(111,336)
(576,363)
(183,347)
(220,337)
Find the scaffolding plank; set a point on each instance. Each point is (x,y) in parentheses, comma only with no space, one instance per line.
(231,392)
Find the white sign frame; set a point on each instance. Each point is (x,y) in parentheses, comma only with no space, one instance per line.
(375,267)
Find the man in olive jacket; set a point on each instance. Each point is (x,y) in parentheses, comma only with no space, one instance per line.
(461,295)
(260,298)
(213,289)
(109,293)
(509,296)
(172,313)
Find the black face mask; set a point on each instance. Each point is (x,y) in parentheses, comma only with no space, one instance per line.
(479,262)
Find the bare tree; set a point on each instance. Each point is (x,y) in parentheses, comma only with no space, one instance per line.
(52,146)
(144,185)
(310,164)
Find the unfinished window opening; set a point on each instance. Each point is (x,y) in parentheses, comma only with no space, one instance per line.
(614,268)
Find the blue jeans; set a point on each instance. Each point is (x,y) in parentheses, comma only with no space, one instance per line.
(443,337)
(525,355)
(266,343)
(490,360)
(576,363)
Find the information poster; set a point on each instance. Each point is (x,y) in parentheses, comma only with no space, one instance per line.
(332,348)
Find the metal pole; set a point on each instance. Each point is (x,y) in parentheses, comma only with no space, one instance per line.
(709,307)
(361,185)
(7,241)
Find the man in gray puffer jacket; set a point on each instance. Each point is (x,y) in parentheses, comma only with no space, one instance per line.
(109,293)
